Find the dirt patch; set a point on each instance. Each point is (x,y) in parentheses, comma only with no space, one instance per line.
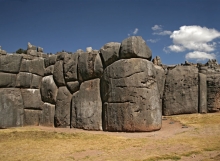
(182,137)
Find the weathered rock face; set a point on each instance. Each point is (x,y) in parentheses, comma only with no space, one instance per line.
(87,106)
(32,117)
(48,112)
(213,92)
(131,97)
(61,55)
(70,67)
(62,113)
(7,80)
(10,63)
(49,70)
(135,47)
(24,80)
(11,107)
(157,61)
(202,93)
(36,81)
(48,90)
(89,65)
(35,66)
(32,98)
(73,86)
(109,53)
(160,77)
(58,74)
(50,60)
(181,91)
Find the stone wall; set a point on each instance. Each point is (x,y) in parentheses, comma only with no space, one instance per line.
(116,88)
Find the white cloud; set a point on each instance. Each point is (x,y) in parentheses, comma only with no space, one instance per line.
(163,33)
(153,40)
(176,48)
(198,55)
(195,38)
(156,27)
(135,31)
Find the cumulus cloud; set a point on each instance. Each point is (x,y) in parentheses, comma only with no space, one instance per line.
(163,33)
(135,31)
(197,39)
(153,40)
(156,27)
(198,55)
(176,48)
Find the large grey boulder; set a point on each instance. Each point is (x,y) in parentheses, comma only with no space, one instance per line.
(73,86)
(11,107)
(48,90)
(32,53)
(24,80)
(61,55)
(36,81)
(31,98)
(213,92)
(48,112)
(87,106)
(181,91)
(131,97)
(50,60)
(49,70)
(35,66)
(89,65)
(58,74)
(7,80)
(10,63)
(62,113)
(135,47)
(110,53)
(32,117)
(70,67)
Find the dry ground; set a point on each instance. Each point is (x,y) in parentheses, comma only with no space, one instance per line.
(192,137)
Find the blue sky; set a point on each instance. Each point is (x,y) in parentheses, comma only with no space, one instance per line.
(175,30)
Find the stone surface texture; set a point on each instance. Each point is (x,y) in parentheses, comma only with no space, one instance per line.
(70,67)
(89,65)
(110,53)
(48,90)
(10,63)
(135,47)
(131,97)
(87,106)
(11,107)
(62,113)
(181,91)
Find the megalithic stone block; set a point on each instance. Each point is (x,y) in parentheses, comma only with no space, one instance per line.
(63,102)
(87,106)
(10,63)
(11,108)
(181,91)
(135,47)
(202,93)
(131,97)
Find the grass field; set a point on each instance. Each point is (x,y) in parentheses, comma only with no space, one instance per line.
(200,140)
